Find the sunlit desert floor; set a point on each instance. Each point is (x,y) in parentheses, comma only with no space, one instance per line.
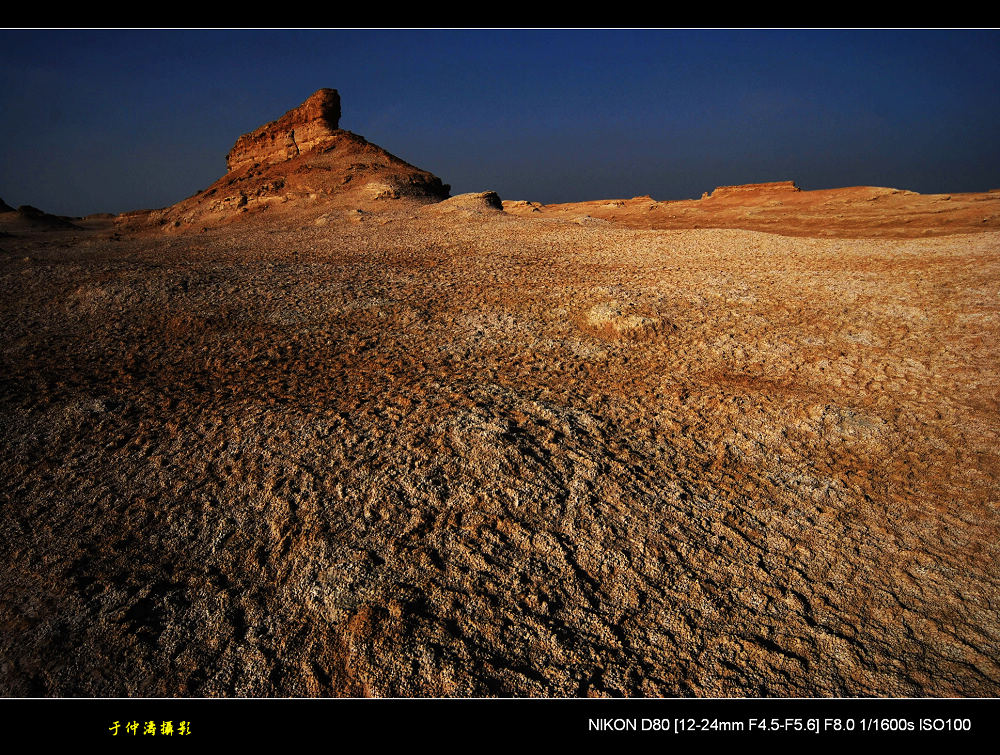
(479,454)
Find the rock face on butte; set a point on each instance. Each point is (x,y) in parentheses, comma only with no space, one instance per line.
(310,127)
(303,164)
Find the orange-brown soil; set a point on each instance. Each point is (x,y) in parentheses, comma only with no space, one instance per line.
(408,448)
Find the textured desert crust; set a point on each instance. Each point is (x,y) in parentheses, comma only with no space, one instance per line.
(478,454)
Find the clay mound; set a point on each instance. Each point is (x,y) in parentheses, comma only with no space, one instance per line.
(483,202)
(298,167)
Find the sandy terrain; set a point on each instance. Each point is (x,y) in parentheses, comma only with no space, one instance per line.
(389,446)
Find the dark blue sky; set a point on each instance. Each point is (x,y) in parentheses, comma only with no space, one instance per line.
(114,120)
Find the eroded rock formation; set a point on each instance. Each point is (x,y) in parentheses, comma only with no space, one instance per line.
(310,126)
(300,167)
(743,189)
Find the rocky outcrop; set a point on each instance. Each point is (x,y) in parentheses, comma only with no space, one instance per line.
(742,189)
(521,206)
(299,168)
(308,127)
(4,207)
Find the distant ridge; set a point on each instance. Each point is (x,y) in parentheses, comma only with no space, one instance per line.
(27,217)
(782,207)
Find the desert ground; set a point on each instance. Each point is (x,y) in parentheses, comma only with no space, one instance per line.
(320,430)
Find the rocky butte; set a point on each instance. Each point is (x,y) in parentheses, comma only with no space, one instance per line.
(296,167)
